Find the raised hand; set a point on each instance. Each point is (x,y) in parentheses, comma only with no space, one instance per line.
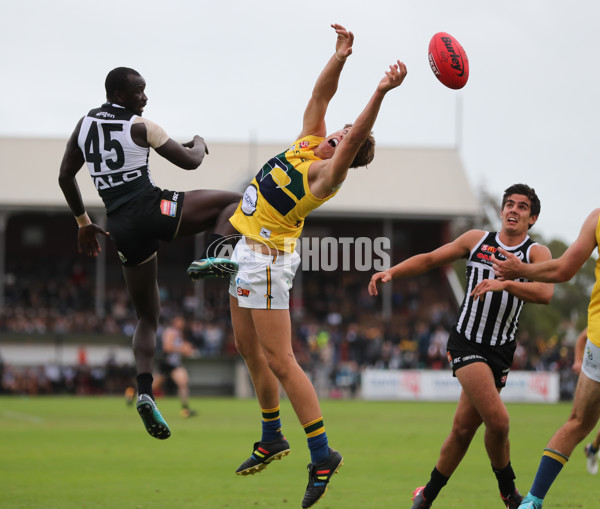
(394,77)
(343,45)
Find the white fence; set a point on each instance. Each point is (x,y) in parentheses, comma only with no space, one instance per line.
(417,385)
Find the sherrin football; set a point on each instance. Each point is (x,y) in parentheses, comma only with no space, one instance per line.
(448,60)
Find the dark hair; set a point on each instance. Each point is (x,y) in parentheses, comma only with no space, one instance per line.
(365,153)
(117,80)
(525,190)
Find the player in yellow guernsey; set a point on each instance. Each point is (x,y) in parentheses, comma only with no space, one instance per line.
(586,403)
(270,218)
(279,198)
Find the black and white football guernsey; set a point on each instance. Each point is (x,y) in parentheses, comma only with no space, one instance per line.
(493,318)
(119,167)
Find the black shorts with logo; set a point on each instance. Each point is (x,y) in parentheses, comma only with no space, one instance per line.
(462,352)
(138,226)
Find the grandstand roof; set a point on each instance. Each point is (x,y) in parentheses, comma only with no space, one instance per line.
(399,183)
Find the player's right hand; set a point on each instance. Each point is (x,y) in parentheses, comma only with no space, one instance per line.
(394,77)
(343,45)
(86,238)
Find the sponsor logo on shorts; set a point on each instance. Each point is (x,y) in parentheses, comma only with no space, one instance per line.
(304,144)
(243,292)
(122,257)
(503,379)
(466,358)
(168,208)
(450,361)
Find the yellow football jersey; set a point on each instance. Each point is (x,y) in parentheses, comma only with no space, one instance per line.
(594,307)
(278,199)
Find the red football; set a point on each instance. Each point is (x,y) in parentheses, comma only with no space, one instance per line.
(448,60)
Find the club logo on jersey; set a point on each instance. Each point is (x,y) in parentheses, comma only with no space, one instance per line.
(304,144)
(264,233)
(168,208)
(281,178)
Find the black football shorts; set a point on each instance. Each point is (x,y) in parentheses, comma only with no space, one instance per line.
(462,352)
(138,226)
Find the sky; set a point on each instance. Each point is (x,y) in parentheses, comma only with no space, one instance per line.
(236,70)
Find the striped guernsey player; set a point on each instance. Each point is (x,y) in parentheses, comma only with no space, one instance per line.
(482,342)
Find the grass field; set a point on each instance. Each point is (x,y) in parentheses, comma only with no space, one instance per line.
(77,452)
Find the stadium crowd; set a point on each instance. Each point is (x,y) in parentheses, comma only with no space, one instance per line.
(338,331)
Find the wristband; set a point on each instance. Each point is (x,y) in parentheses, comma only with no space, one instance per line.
(83,220)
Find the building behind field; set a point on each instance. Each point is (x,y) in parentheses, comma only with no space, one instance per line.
(408,200)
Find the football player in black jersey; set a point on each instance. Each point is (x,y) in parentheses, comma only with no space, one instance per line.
(482,342)
(114,142)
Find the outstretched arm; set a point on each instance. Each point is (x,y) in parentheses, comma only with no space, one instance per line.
(72,162)
(527,291)
(332,172)
(557,270)
(421,263)
(326,84)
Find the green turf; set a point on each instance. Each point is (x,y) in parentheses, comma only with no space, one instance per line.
(84,452)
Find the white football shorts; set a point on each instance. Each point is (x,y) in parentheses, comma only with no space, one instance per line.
(262,281)
(591,361)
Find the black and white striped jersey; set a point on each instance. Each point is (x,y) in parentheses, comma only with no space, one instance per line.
(493,319)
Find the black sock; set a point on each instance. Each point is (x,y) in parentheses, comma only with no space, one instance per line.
(213,246)
(144,381)
(434,486)
(506,480)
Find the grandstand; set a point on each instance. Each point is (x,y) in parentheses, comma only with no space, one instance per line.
(416,197)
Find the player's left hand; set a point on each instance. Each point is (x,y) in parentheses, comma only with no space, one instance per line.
(86,238)
(507,269)
(487,285)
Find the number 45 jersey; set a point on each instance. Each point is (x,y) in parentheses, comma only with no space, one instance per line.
(119,167)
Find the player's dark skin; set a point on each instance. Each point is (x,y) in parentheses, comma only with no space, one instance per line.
(202,210)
